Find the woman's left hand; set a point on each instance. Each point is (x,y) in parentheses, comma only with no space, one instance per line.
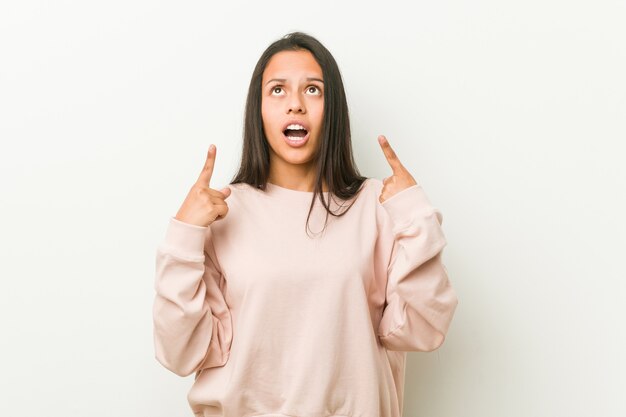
(400,179)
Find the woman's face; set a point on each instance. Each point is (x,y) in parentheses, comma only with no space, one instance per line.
(292,95)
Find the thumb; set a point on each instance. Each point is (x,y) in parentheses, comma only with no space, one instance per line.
(226,191)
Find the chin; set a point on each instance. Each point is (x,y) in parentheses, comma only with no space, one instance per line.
(293,155)
(296,159)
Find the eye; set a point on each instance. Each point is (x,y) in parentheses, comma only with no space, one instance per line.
(316,88)
(276,88)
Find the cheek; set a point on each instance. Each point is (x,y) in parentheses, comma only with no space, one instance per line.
(319,115)
(268,112)
(320,108)
(266,118)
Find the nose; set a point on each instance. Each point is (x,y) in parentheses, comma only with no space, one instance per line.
(295,104)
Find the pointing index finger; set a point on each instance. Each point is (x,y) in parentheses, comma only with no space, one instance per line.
(207,171)
(391,156)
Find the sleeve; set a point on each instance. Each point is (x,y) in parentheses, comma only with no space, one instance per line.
(192,322)
(419,299)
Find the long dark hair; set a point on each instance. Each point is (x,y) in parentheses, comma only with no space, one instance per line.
(336,163)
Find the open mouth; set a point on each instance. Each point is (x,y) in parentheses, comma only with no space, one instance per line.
(295,134)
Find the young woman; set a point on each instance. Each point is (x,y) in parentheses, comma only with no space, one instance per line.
(275,320)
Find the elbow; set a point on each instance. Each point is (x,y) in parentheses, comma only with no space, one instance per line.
(173,352)
(438,335)
(179,368)
(417,335)
(434,342)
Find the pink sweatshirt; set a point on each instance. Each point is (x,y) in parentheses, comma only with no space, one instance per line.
(275,323)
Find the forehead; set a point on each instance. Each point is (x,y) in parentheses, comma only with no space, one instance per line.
(292,64)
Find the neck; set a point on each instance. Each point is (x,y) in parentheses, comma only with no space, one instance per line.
(294,177)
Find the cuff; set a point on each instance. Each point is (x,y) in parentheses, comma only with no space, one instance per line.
(185,238)
(405,205)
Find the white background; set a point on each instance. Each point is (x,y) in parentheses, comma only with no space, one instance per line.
(510,114)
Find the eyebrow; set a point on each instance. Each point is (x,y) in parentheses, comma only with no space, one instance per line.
(282,80)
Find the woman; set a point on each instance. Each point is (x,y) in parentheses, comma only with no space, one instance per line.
(277,322)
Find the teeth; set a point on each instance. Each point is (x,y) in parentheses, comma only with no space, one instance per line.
(295,127)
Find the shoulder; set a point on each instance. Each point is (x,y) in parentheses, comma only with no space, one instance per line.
(373,184)
(239,187)
(371,188)
(242,190)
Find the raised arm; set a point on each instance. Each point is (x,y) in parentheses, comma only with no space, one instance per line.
(192,322)
(419,299)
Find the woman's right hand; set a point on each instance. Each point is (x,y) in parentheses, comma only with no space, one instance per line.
(204,205)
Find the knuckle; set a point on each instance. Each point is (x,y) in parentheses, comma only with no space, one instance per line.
(197,189)
(202,194)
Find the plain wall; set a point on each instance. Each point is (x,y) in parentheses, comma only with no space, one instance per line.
(510,114)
